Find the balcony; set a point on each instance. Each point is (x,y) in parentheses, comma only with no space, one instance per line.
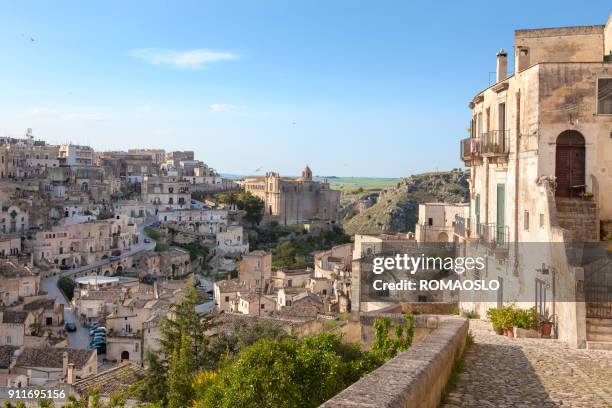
(494,236)
(461,227)
(470,150)
(495,144)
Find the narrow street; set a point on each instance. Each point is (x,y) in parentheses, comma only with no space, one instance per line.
(80,338)
(506,372)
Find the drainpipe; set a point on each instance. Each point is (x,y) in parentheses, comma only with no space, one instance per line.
(516,182)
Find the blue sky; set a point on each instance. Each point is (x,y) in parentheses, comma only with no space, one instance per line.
(352,88)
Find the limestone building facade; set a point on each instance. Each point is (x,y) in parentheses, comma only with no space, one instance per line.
(295,200)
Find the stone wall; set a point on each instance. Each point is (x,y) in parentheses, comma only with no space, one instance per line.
(415,378)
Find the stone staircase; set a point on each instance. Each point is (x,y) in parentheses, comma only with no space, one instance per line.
(579,217)
(599,334)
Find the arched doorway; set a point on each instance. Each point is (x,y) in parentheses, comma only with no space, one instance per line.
(443,237)
(125,355)
(570,160)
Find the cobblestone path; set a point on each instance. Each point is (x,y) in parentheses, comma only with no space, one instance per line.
(507,372)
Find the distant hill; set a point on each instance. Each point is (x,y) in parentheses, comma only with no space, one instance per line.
(396,209)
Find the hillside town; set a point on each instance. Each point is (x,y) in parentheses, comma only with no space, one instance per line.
(103,252)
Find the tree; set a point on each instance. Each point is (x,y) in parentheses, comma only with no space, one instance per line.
(66,285)
(386,346)
(285,373)
(186,326)
(285,256)
(180,375)
(237,336)
(253,207)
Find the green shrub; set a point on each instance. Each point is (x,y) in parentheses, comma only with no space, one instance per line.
(471,314)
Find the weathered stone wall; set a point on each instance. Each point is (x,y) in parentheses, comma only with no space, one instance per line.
(415,378)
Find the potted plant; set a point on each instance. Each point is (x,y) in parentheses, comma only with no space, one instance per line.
(546,324)
(587,196)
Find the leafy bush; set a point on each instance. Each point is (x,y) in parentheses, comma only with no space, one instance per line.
(471,314)
(507,317)
(66,285)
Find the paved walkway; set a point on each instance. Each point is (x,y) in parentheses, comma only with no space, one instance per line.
(507,372)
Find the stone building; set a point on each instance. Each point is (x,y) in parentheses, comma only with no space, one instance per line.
(14,218)
(294,200)
(539,153)
(158,156)
(27,157)
(255,268)
(232,241)
(166,192)
(76,155)
(437,220)
(74,245)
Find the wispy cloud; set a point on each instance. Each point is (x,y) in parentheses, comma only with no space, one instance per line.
(218,107)
(93,116)
(143,108)
(191,59)
(50,113)
(40,111)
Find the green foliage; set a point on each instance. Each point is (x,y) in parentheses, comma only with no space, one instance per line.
(180,374)
(285,256)
(287,373)
(471,314)
(253,206)
(507,317)
(182,337)
(238,336)
(153,233)
(66,285)
(105,215)
(291,253)
(161,247)
(386,346)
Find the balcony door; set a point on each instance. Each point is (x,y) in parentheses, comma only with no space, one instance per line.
(501,211)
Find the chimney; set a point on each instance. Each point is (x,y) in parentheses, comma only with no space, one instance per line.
(502,65)
(522,58)
(65,364)
(70,376)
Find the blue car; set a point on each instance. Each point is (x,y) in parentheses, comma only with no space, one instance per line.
(97,330)
(96,342)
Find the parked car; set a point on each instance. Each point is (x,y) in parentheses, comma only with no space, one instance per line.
(114,258)
(116,252)
(64,267)
(147,241)
(70,327)
(101,348)
(100,329)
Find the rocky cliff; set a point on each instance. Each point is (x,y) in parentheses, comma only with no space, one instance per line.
(396,209)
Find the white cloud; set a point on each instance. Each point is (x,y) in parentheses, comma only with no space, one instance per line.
(218,107)
(191,59)
(40,111)
(93,116)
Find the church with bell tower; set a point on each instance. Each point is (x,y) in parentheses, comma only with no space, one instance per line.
(290,200)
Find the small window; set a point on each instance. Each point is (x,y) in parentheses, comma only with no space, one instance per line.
(541,220)
(526,221)
(604,96)
(430,221)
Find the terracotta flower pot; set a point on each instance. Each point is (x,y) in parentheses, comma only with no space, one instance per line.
(546,329)
(509,332)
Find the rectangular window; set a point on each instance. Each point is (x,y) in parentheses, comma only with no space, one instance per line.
(526,221)
(604,96)
(541,220)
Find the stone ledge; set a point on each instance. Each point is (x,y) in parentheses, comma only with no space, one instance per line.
(415,378)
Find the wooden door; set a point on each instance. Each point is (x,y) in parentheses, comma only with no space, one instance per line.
(570,170)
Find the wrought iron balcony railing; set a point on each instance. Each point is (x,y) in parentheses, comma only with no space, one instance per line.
(494,142)
(494,236)
(470,148)
(462,226)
